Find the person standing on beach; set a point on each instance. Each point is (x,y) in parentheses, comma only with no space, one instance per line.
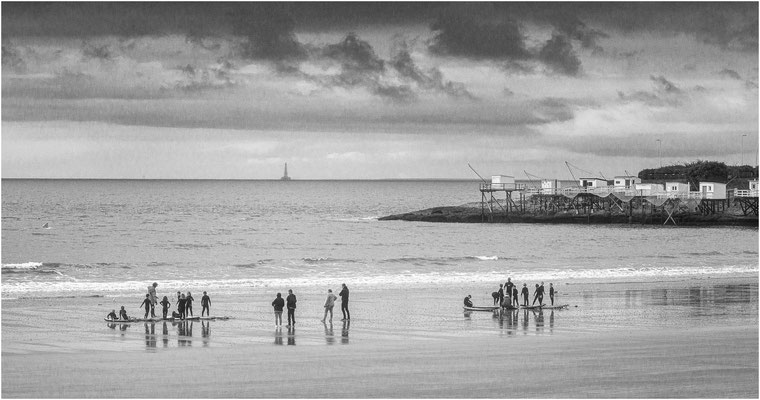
(181,305)
(501,294)
(551,292)
(278,304)
(205,303)
(166,304)
(515,297)
(329,304)
(539,295)
(189,304)
(525,294)
(153,299)
(291,303)
(535,295)
(148,305)
(509,286)
(344,302)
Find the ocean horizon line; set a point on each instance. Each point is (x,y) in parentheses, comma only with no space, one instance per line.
(247,179)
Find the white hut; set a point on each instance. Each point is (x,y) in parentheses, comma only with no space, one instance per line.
(649,189)
(676,189)
(592,183)
(625,182)
(713,190)
(502,182)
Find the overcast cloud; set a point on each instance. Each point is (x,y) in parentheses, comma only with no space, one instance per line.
(373,90)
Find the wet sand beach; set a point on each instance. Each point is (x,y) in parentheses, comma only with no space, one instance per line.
(683,338)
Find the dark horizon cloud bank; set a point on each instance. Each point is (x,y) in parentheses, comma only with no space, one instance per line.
(374,90)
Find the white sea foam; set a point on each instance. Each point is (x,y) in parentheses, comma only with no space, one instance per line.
(26,265)
(406,279)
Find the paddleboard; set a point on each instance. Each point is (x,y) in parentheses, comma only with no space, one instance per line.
(556,307)
(532,307)
(482,308)
(213,318)
(119,321)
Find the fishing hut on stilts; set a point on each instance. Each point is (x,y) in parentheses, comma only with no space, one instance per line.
(497,197)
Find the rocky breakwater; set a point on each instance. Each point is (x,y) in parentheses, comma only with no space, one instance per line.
(474,214)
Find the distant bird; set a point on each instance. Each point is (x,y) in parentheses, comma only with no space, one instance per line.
(46,226)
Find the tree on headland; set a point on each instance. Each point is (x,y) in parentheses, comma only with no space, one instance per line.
(698,171)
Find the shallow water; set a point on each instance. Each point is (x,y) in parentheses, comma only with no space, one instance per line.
(113,238)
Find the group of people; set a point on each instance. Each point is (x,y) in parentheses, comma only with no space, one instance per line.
(184,305)
(290,302)
(508,296)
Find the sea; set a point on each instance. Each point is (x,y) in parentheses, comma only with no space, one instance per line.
(64,238)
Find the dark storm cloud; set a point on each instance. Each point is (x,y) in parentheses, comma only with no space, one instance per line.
(729,73)
(663,85)
(355,55)
(559,55)
(574,28)
(432,80)
(665,93)
(12,59)
(459,34)
(269,29)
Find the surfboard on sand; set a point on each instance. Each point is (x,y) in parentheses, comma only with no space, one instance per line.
(557,307)
(481,308)
(532,307)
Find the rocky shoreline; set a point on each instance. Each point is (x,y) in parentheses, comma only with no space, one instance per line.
(472,214)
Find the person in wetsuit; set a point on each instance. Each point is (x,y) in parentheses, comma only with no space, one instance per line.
(539,295)
(525,294)
(515,297)
(189,304)
(501,294)
(112,315)
(165,303)
(551,292)
(467,301)
(509,286)
(205,303)
(344,303)
(148,305)
(181,306)
(153,299)
(123,314)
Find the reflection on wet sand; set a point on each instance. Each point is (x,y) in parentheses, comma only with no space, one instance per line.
(278,335)
(344,332)
(329,338)
(205,332)
(184,332)
(165,334)
(291,335)
(150,335)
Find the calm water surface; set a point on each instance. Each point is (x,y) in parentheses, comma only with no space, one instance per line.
(109,237)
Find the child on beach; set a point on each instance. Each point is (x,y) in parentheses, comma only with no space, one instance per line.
(329,304)
(205,302)
(525,294)
(123,314)
(112,315)
(515,298)
(189,304)
(551,292)
(467,301)
(165,303)
(278,304)
(148,304)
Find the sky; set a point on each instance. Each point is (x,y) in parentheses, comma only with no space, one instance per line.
(375,90)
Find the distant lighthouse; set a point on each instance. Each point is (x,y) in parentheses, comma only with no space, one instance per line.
(285,177)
